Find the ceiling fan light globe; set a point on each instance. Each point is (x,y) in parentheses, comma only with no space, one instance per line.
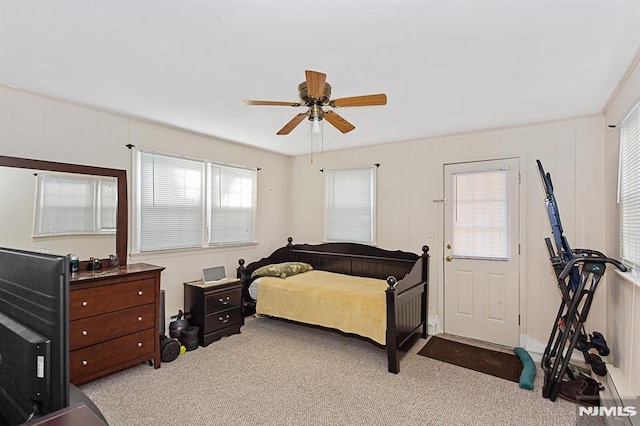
(315,126)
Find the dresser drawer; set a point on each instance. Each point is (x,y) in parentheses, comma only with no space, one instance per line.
(93,359)
(223,300)
(222,319)
(96,329)
(109,298)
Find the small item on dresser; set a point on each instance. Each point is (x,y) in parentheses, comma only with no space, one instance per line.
(94,264)
(113,259)
(74,263)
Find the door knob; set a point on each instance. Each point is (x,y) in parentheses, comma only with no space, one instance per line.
(448,258)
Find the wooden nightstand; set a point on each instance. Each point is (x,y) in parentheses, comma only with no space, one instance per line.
(216,309)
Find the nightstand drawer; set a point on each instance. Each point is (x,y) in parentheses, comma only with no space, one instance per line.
(223,319)
(223,300)
(88,331)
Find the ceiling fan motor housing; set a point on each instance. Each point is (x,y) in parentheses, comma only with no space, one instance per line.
(303,93)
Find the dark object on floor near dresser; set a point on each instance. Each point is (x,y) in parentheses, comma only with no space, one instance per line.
(189,337)
(169,348)
(407,276)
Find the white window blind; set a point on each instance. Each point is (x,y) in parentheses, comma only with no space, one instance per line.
(629,188)
(171,202)
(232,199)
(480,215)
(350,205)
(108,200)
(75,205)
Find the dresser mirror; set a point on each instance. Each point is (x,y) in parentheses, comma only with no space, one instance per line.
(22,212)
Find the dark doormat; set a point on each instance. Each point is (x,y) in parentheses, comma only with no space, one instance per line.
(499,364)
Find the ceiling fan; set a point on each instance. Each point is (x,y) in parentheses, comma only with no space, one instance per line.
(314,94)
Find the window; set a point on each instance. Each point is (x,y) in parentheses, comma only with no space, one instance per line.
(231,204)
(186,203)
(75,205)
(350,205)
(480,226)
(629,188)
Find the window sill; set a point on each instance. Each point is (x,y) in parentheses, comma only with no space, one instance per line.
(629,277)
(189,251)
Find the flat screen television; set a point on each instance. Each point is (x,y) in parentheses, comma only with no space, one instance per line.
(34,335)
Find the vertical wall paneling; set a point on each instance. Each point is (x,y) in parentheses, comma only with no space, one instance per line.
(410,178)
(623,301)
(45,128)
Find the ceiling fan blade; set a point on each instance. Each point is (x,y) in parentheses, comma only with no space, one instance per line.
(315,83)
(338,122)
(272,103)
(292,124)
(354,101)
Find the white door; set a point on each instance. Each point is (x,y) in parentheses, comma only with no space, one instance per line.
(481,280)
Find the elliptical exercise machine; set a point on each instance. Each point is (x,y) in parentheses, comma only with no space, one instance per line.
(578,272)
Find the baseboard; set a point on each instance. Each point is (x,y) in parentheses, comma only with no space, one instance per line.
(617,393)
(433,326)
(533,346)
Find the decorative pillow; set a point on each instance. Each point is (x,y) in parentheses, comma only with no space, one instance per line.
(282,270)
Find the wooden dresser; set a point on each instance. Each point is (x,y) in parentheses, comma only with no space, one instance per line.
(216,309)
(114,320)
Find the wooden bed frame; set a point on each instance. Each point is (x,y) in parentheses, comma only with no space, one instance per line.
(407,275)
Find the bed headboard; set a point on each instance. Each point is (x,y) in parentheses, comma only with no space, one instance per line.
(344,258)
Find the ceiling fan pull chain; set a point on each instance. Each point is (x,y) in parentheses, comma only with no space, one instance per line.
(311,139)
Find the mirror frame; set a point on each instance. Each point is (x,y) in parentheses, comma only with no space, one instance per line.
(122,220)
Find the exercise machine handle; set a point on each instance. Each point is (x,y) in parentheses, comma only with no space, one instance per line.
(588,259)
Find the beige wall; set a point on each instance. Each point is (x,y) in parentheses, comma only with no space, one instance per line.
(623,294)
(39,127)
(290,191)
(410,178)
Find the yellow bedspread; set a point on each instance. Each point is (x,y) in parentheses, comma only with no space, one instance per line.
(350,304)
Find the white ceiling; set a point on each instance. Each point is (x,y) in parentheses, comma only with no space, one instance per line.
(447,66)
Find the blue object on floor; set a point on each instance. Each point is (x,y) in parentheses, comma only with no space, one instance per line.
(528,368)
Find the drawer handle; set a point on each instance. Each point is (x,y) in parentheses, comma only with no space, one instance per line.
(224,301)
(85,362)
(139,292)
(139,344)
(139,318)
(85,303)
(85,332)
(225,319)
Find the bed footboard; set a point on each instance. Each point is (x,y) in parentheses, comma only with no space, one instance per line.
(407,303)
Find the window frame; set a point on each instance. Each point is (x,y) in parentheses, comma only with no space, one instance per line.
(372,205)
(206,205)
(495,224)
(96,204)
(629,198)
(210,209)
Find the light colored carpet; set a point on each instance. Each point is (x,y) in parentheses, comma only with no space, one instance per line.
(280,373)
